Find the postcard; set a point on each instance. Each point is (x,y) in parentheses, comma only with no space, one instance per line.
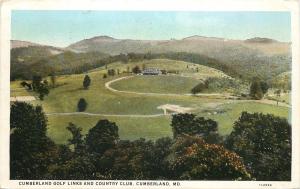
(149,94)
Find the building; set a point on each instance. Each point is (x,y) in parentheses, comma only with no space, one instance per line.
(151,71)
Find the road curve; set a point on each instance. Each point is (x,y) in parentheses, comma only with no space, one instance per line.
(105,115)
(107,85)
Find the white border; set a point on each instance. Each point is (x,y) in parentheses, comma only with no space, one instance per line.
(150,5)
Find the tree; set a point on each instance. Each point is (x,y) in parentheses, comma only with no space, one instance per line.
(199,88)
(36,82)
(43,90)
(111,72)
(277,93)
(102,136)
(104,76)
(256,91)
(264,87)
(161,152)
(31,151)
(189,124)
(194,159)
(77,168)
(264,142)
(136,70)
(76,139)
(86,82)
(39,86)
(82,104)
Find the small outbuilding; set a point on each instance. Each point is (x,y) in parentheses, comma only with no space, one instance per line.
(151,71)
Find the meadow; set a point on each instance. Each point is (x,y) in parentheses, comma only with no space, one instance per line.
(125,108)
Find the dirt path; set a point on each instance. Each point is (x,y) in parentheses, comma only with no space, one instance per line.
(22,98)
(105,115)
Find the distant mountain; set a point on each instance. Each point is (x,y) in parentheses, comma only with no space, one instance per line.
(210,46)
(18,43)
(250,55)
(261,57)
(260,40)
(39,59)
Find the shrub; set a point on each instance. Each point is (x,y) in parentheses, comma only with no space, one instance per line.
(86,82)
(136,70)
(82,105)
(199,88)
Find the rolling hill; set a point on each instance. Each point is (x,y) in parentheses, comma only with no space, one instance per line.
(252,54)
(256,57)
(19,43)
(44,60)
(209,46)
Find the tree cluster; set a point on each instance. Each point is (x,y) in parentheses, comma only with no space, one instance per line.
(37,85)
(258,89)
(136,70)
(258,148)
(111,72)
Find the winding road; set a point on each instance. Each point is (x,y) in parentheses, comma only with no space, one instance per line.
(107,85)
(106,115)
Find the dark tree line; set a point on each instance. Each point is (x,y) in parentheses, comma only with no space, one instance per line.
(259,148)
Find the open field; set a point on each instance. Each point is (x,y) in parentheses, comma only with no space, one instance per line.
(153,128)
(157,84)
(64,99)
(129,128)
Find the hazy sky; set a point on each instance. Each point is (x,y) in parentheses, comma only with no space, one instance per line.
(61,28)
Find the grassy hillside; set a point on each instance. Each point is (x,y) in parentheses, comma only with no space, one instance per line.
(41,60)
(250,58)
(114,105)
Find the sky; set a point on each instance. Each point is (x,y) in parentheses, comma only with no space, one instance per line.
(61,28)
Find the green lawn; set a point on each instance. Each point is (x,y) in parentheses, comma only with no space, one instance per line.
(64,98)
(153,128)
(101,100)
(157,84)
(129,128)
(232,112)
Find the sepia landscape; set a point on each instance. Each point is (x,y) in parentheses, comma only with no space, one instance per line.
(192,108)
